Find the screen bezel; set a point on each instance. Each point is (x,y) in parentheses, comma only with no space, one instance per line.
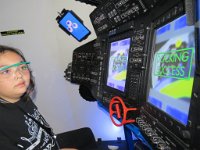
(111,40)
(162,116)
(64,13)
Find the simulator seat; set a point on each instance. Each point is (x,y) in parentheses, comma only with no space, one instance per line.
(82,139)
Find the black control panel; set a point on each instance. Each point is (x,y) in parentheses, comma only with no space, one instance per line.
(116,12)
(84,67)
(138,22)
(161,130)
(137,67)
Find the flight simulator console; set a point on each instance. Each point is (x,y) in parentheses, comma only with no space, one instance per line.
(147,53)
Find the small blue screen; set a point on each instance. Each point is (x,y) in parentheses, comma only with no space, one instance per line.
(118,62)
(74,26)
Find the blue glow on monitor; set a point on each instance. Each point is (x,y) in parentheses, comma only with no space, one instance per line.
(74,26)
(172,75)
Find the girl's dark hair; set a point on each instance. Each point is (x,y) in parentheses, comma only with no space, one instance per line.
(31,88)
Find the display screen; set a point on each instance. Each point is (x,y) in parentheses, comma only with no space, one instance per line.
(72,25)
(117,66)
(173,67)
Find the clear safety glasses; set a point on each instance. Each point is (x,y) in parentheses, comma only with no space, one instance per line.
(9,71)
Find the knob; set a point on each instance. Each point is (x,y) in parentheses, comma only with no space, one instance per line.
(185,134)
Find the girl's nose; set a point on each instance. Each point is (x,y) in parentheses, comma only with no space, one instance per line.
(17,73)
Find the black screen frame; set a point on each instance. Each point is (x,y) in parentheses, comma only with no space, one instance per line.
(112,39)
(163,117)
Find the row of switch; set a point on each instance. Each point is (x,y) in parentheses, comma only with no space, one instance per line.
(151,133)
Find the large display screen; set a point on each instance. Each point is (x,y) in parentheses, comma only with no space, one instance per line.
(118,62)
(173,68)
(70,23)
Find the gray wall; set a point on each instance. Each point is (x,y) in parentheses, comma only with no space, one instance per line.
(50,50)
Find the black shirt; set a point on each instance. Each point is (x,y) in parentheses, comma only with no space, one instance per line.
(23,127)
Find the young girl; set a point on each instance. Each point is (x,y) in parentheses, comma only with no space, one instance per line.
(21,124)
